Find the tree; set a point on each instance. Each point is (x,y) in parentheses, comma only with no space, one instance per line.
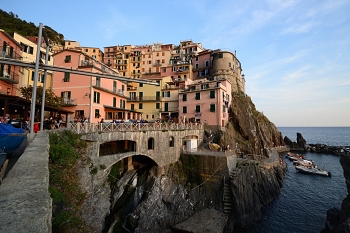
(50,97)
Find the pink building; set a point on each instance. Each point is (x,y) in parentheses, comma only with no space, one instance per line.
(206,102)
(9,75)
(90,97)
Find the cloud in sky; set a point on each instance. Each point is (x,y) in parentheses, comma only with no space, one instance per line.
(295,54)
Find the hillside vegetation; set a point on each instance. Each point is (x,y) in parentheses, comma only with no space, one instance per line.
(10,22)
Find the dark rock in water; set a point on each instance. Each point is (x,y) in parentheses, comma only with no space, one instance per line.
(301,141)
(299,145)
(338,221)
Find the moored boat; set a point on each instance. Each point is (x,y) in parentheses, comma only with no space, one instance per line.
(312,170)
(294,157)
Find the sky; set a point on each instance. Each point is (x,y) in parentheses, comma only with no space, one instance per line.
(295,54)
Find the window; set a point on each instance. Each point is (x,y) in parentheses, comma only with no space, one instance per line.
(220,55)
(184,109)
(97,113)
(151,144)
(114,86)
(198,96)
(67,59)
(114,102)
(157,105)
(206,63)
(65,95)
(212,94)
(164,69)
(196,58)
(132,107)
(229,64)
(166,93)
(223,108)
(163,54)
(31,50)
(197,66)
(96,97)
(66,77)
(184,97)
(212,108)
(198,108)
(171,141)
(140,106)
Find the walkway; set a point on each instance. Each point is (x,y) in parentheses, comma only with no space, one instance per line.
(25,202)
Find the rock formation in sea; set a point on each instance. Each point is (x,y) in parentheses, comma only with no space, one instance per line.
(300,144)
(338,221)
(140,201)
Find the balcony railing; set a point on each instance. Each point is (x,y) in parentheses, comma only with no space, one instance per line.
(69,102)
(108,88)
(145,98)
(7,54)
(169,109)
(86,128)
(11,77)
(86,63)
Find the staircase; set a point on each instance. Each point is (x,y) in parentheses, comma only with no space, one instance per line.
(227,192)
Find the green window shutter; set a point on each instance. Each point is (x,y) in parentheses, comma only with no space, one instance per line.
(198,96)
(212,108)
(212,94)
(11,51)
(133,107)
(114,102)
(2,66)
(33,72)
(184,109)
(198,108)
(4,47)
(184,97)
(223,108)
(98,97)
(157,105)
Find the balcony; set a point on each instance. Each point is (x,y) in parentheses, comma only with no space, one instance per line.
(169,109)
(69,102)
(144,98)
(157,64)
(86,63)
(11,78)
(108,88)
(9,54)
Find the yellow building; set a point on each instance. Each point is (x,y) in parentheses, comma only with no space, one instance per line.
(28,53)
(93,52)
(154,102)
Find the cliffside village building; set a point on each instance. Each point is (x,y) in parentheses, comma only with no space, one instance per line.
(195,84)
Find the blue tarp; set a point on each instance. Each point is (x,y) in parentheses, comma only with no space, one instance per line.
(6,129)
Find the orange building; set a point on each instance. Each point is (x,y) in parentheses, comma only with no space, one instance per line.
(89,97)
(9,75)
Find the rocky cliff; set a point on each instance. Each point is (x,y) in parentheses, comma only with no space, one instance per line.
(338,221)
(249,131)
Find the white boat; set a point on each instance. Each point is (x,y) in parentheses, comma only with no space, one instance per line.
(312,170)
(304,162)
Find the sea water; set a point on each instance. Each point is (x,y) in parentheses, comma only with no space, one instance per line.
(304,199)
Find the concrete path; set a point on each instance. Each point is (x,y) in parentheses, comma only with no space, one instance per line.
(25,202)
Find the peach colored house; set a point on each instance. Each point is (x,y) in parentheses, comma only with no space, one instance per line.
(88,96)
(206,102)
(9,75)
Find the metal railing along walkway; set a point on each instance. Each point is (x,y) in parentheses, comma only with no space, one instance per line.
(81,128)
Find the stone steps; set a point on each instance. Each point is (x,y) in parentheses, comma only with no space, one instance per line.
(227,192)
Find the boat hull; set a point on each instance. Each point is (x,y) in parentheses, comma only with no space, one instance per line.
(314,171)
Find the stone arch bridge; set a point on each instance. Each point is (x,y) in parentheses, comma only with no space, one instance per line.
(110,143)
